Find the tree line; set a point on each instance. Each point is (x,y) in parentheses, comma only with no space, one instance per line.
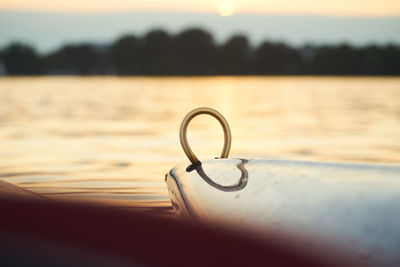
(194,52)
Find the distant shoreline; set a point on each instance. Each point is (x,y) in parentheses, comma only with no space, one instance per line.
(193,52)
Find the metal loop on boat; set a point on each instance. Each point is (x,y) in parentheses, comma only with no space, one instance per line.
(183,132)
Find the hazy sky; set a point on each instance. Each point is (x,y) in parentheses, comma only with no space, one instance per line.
(49,24)
(320,7)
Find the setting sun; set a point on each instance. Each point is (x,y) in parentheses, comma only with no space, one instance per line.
(226,9)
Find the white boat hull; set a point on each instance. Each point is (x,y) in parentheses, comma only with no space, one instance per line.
(356,207)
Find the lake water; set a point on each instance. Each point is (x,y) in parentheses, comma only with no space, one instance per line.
(112,140)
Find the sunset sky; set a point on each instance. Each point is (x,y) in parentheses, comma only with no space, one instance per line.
(320,7)
(49,24)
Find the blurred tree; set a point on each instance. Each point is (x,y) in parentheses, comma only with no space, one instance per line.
(234,56)
(390,60)
(125,56)
(276,58)
(21,59)
(196,52)
(158,54)
(73,59)
(373,60)
(338,60)
(193,52)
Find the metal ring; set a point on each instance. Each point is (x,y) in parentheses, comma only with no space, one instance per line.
(183,132)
